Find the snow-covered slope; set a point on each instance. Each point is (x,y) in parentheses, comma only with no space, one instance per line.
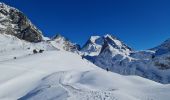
(55,75)
(11,47)
(60,75)
(49,70)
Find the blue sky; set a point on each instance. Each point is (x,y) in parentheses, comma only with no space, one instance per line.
(141,24)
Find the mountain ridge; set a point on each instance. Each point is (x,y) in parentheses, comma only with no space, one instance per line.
(14,22)
(107,51)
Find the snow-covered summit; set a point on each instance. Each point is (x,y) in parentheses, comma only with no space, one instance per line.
(14,22)
(93,46)
(63,43)
(111,42)
(97,44)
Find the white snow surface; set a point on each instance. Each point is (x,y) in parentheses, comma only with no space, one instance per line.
(61,75)
(93,46)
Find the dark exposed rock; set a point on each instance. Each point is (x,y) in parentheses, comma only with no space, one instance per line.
(41,51)
(35,51)
(14,22)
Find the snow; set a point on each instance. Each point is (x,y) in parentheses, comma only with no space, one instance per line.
(13,47)
(56,75)
(93,46)
(64,44)
(60,75)
(116,56)
(94,38)
(2,26)
(117,42)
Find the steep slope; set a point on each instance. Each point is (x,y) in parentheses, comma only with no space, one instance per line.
(63,43)
(93,46)
(14,22)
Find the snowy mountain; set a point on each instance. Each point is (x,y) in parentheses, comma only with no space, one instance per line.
(34,67)
(14,22)
(112,54)
(63,43)
(100,44)
(93,46)
(106,50)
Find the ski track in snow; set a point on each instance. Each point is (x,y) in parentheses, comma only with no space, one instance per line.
(88,94)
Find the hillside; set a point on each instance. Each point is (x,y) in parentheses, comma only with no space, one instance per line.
(48,77)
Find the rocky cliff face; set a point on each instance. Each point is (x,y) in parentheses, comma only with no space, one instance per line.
(14,22)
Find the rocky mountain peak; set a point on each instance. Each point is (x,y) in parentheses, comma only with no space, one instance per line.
(93,46)
(94,38)
(61,42)
(58,37)
(14,22)
(97,44)
(162,48)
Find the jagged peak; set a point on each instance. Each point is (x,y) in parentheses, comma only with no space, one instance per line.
(59,37)
(98,44)
(2,4)
(14,22)
(63,43)
(94,38)
(109,36)
(7,7)
(115,42)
